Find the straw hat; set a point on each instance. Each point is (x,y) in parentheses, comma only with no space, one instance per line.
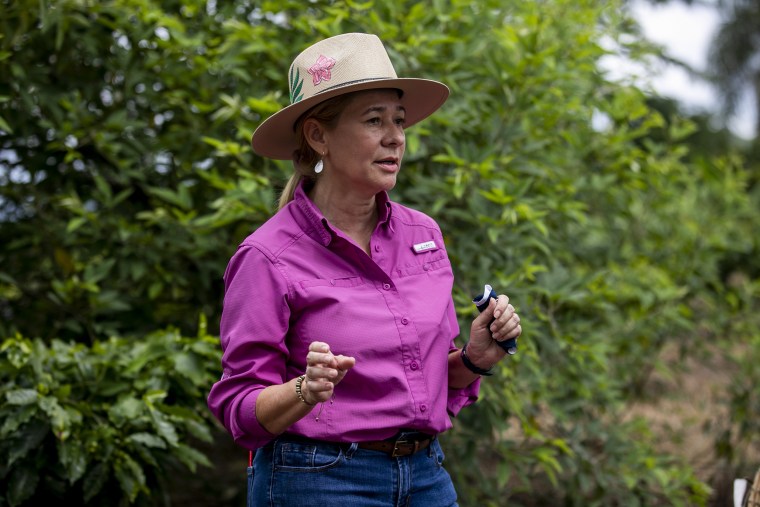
(341,64)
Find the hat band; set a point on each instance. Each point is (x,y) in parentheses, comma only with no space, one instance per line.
(349,83)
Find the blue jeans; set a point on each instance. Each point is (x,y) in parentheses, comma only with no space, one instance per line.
(296,473)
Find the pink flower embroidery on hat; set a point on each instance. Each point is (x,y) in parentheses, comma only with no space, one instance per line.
(320,71)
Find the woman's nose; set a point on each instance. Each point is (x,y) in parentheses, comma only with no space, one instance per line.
(394,136)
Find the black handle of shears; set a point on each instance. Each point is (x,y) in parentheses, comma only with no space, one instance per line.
(509,346)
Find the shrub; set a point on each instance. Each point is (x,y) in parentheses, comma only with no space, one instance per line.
(93,425)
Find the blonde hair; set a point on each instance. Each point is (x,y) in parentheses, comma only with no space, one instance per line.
(304,157)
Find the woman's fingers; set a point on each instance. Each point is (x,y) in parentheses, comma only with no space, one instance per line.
(324,370)
(319,347)
(502,304)
(321,373)
(318,386)
(345,362)
(507,324)
(320,355)
(502,313)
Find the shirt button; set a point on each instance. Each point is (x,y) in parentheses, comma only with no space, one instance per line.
(332,282)
(387,286)
(426,267)
(377,248)
(414,365)
(423,408)
(404,321)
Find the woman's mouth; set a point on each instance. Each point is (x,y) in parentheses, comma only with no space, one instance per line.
(389,164)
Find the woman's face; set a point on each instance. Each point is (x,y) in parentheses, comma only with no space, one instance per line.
(365,148)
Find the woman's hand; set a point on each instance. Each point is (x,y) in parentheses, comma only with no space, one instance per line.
(482,348)
(324,371)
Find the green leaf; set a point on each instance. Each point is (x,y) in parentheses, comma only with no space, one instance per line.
(125,409)
(73,458)
(94,481)
(59,418)
(21,484)
(191,457)
(179,198)
(76,223)
(188,365)
(103,187)
(296,82)
(27,440)
(97,271)
(21,396)
(199,430)
(130,476)
(4,125)
(164,428)
(297,92)
(17,420)
(148,440)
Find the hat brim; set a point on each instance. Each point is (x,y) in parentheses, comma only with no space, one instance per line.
(275,137)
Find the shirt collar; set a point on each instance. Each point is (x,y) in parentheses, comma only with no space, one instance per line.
(312,221)
(384,207)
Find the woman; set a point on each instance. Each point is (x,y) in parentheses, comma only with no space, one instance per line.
(338,326)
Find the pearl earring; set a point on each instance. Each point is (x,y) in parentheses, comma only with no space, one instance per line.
(319,166)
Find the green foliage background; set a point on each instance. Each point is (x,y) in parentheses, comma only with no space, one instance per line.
(127,181)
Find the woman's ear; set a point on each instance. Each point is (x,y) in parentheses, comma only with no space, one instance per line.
(314,133)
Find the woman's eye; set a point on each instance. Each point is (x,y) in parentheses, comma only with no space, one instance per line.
(373,121)
(400,121)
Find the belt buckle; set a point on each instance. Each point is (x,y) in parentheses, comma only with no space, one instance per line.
(397,452)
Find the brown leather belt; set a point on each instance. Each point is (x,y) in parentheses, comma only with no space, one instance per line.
(404,445)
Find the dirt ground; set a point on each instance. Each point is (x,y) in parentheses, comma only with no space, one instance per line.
(686,409)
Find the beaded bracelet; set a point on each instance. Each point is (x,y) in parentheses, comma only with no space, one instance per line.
(470,366)
(299,381)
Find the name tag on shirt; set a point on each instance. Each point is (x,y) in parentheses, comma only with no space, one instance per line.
(424,247)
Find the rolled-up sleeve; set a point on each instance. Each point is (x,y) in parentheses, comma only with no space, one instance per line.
(460,397)
(253,327)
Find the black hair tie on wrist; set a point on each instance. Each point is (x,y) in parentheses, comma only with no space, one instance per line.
(470,366)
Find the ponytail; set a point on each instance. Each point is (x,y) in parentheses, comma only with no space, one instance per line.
(290,189)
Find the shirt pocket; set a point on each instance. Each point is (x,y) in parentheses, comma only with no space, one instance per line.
(348,281)
(428,265)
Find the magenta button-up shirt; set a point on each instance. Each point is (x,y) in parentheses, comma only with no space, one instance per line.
(296,280)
